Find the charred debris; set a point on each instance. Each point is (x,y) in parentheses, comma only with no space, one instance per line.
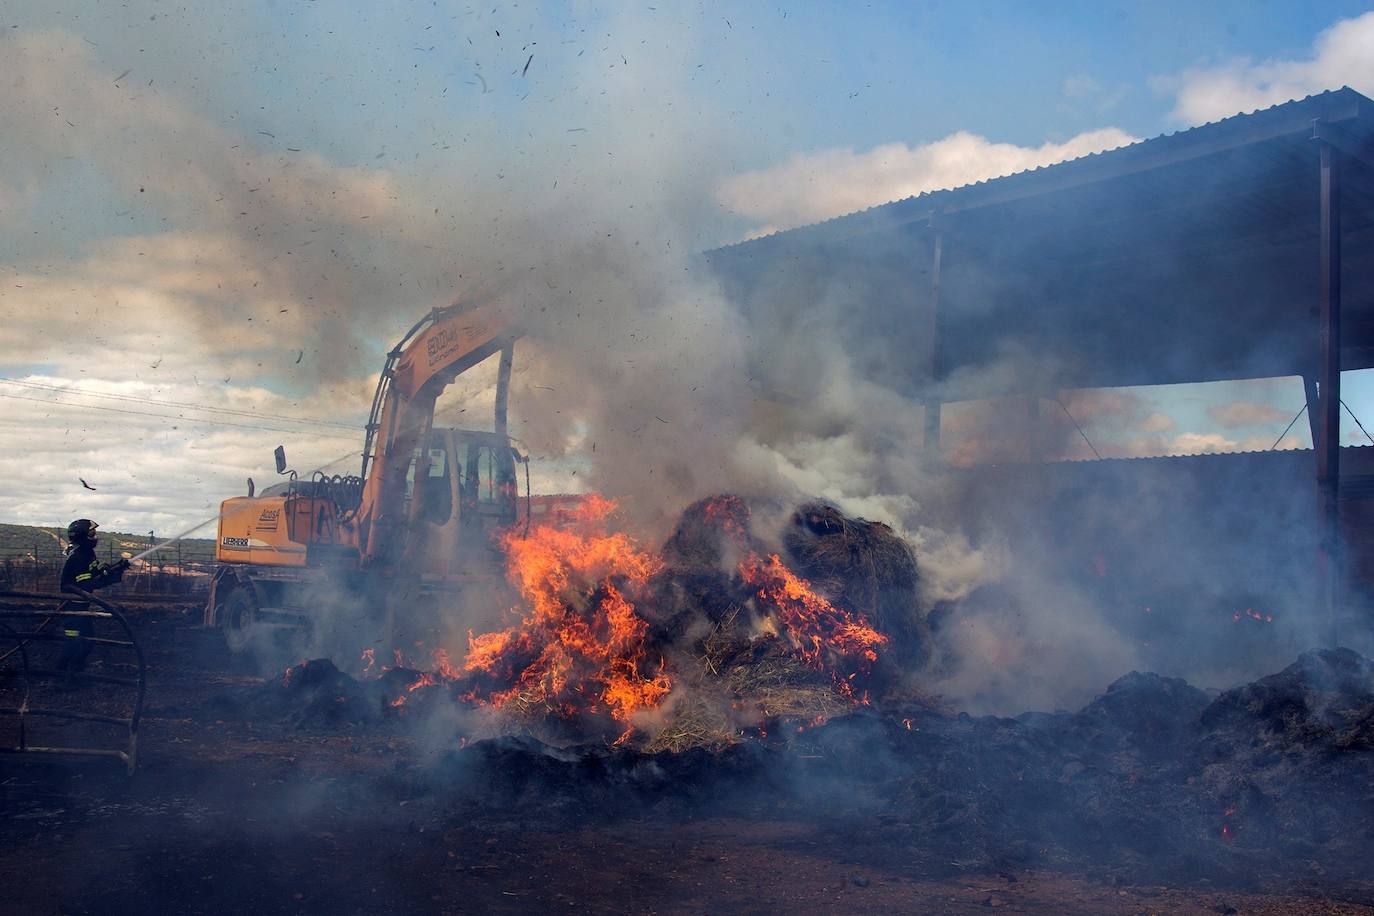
(1155,776)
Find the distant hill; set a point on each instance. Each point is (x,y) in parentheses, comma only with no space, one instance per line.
(20,541)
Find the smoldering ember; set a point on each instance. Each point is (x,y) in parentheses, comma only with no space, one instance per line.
(786,468)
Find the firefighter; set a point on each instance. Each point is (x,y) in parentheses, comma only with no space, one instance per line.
(83,571)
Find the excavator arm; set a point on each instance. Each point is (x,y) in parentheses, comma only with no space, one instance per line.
(441,346)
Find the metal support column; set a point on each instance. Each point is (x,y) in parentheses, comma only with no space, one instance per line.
(503,387)
(931,437)
(1328,418)
(1309,387)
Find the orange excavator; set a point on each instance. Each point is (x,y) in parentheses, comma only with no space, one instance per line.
(423,516)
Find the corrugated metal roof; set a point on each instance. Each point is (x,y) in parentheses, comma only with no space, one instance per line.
(1357,460)
(1332,105)
(1188,257)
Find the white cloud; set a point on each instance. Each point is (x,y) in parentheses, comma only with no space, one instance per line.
(147,471)
(1246,413)
(251,230)
(1202,444)
(817,186)
(1343,55)
(1157,423)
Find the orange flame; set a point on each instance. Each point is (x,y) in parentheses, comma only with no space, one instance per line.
(821,633)
(580,645)
(816,626)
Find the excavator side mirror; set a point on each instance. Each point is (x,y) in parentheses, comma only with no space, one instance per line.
(280,455)
(252,488)
(519,458)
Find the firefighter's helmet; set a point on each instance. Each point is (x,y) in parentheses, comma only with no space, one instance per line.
(81,531)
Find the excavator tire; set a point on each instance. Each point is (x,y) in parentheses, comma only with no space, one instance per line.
(237,614)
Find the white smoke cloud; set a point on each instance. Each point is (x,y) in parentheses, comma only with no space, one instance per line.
(808,188)
(275,269)
(1246,413)
(1342,55)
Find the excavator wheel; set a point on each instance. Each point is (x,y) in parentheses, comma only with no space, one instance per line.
(237,614)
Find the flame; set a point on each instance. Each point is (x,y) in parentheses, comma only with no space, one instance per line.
(580,645)
(580,648)
(370,657)
(292,671)
(442,673)
(821,633)
(725,513)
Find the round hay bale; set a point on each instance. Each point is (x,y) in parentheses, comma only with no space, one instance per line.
(709,535)
(699,579)
(861,566)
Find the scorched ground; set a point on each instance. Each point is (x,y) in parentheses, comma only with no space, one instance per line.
(700,728)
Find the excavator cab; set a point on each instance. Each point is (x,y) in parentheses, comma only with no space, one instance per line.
(466,497)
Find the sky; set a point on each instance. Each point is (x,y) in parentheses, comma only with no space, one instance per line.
(215,218)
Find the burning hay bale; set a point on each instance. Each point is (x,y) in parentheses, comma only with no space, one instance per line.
(863,566)
(578,653)
(697,645)
(710,535)
(699,581)
(744,680)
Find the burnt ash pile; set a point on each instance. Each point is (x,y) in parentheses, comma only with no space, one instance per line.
(1154,779)
(316,696)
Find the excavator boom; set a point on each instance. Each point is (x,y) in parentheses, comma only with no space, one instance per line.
(440,347)
(426,505)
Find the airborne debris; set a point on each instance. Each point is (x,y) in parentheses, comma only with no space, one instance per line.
(84,484)
(527,65)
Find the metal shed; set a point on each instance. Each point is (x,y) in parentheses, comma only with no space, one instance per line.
(1238,249)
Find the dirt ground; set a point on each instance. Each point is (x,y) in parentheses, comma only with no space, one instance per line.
(225,814)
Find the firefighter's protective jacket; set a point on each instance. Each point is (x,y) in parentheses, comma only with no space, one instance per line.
(82,570)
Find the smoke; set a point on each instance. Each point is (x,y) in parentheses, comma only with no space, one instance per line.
(587,173)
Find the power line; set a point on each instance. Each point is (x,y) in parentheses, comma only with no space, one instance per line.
(1357,421)
(1288,427)
(251,414)
(1077,427)
(165,416)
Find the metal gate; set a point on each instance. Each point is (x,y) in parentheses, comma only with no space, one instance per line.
(72,678)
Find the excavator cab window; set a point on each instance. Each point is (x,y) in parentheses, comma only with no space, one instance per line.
(437,493)
(489,487)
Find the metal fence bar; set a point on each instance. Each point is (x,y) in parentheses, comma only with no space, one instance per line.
(27,674)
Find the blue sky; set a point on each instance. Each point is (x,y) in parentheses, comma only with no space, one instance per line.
(251,200)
